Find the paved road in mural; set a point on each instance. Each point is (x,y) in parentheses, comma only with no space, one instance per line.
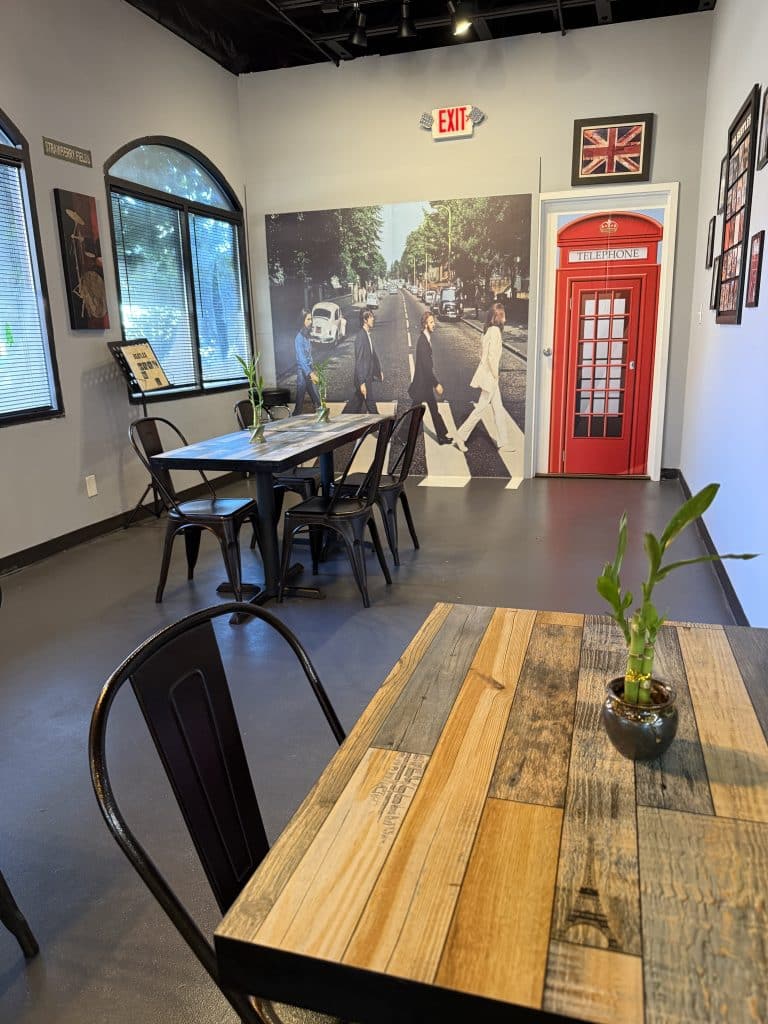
(456,347)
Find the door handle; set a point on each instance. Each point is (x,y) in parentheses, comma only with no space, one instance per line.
(546,351)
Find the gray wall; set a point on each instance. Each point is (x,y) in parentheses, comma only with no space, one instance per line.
(726,413)
(320,137)
(98,74)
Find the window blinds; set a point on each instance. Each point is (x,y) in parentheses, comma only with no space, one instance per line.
(26,383)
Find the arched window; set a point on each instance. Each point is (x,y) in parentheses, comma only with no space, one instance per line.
(178,231)
(29,381)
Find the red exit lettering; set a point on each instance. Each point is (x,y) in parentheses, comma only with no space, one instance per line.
(451,120)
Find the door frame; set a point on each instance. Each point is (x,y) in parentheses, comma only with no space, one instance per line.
(585,202)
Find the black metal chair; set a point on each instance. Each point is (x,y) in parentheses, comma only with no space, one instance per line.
(345,515)
(301,480)
(221,516)
(180,684)
(392,486)
(11,916)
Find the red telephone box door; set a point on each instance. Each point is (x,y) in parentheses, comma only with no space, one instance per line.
(605,337)
(600,379)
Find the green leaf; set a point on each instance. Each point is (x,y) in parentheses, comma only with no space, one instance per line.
(654,553)
(688,512)
(703,558)
(608,590)
(622,546)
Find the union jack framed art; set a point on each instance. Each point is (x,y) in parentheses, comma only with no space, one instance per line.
(607,149)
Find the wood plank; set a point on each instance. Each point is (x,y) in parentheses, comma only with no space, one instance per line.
(404,926)
(750,649)
(597,900)
(678,779)
(346,856)
(263,888)
(594,985)
(704,886)
(418,717)
(561,619)
(735,748)
(533,760)
(505,907)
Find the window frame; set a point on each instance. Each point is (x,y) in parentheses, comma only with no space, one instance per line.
(234,216)
(19,155)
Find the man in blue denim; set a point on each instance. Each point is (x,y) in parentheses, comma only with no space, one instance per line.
(306,378)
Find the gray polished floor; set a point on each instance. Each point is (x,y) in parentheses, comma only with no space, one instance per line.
(107,952)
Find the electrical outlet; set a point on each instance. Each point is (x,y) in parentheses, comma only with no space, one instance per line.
(90,486)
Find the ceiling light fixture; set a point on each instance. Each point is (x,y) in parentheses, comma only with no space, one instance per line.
(406,30)
(461,16)
(358,36)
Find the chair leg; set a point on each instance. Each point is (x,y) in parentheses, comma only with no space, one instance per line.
(315,545)
(192,544)
(358,551)
(15,922)
(255,534)
(170,536)
(388,508)
(378,548)
(409,519)
(230,549)
(288,532)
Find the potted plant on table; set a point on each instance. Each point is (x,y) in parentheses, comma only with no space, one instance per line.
(255,394)
(321,372)
(639,711)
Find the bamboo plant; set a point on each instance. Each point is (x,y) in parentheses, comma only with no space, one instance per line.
(321,372)
(641,628)
(255,394)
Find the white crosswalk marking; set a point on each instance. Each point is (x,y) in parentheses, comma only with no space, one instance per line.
(512,459)
(446,465)
(367,449)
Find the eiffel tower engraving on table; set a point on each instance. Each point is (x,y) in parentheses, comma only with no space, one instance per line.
(587,909)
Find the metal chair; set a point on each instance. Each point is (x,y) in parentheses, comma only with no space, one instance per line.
(180,684)
(345,515)
(303,481)
(221,516)
(392,486)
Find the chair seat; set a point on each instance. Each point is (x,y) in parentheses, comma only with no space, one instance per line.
(215,508)
(318,506)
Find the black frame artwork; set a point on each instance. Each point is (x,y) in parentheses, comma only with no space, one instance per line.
(742,145)
(710,242)
(722,185)
(755,269)
(762,145)
(578,177)
(714,290)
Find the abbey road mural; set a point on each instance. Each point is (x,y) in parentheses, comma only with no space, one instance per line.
(423,302)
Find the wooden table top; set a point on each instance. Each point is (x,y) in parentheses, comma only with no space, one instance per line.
(477,841)
(286,442)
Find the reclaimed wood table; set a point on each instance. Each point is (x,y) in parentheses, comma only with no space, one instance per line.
(286,443)
(478,851)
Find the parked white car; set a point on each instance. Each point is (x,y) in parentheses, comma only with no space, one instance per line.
(372,300)
(328,325)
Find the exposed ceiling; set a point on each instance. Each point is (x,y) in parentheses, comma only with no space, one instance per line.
(261,35)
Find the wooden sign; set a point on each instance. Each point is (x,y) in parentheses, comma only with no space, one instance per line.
(64,151)
(144,366)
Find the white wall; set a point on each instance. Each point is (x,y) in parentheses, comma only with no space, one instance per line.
(725,435)
(97,73)
(320,137)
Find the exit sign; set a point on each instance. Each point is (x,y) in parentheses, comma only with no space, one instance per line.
(452,122)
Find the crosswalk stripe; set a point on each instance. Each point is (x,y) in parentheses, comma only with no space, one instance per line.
(446,465)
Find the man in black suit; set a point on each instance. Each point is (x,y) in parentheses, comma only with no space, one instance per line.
(367,367)
(425,383)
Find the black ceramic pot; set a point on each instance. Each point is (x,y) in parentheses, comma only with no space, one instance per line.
(640,732)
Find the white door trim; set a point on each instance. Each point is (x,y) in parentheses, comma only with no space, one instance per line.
(597,200)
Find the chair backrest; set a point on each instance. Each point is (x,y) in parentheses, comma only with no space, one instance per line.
(370,484)
(181,687)
(402,464)
(145,438)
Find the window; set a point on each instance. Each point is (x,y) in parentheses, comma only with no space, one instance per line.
(29,384)
(178,231)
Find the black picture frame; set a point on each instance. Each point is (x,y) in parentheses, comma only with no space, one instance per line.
(715,287)
(710,242)
(754,272)
(741,152)
(762,145)
(723,183)
(634,165)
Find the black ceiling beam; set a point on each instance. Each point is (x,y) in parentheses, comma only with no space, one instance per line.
(297,28)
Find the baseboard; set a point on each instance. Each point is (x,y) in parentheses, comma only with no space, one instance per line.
(725,582)
(10,563)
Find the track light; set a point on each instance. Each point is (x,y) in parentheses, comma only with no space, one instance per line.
(358,37)
(461,16)
(407,29)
